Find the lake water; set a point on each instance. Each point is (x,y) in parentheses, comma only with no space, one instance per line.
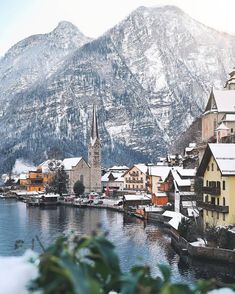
(135,241)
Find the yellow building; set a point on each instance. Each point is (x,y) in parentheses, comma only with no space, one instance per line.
(218,171)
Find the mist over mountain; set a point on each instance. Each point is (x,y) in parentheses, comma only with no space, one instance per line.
(149,76)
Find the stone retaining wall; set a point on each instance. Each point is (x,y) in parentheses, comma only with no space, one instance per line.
(217,254)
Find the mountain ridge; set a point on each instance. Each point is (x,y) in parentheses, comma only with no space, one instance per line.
(149,76)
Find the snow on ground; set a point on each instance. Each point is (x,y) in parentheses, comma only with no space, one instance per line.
(16,273)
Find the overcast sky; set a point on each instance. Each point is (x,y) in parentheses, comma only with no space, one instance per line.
(22,18)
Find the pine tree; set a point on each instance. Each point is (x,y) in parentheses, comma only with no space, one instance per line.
(59,182)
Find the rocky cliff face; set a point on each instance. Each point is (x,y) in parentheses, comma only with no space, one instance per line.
(149,76)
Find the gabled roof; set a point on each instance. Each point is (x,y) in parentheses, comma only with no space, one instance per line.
(141,167)
(224,155)
(180,182)
(221,101)
(222,127)
(69,163)
(159,171)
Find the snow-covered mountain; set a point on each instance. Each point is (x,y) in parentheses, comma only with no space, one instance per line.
(149,76)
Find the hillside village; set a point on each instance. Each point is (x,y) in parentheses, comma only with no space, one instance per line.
(194,187)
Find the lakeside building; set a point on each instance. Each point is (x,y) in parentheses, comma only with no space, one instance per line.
(217,168)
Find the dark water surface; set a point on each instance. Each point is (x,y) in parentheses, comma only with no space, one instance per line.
(135,241)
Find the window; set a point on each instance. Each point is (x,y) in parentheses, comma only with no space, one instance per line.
(231,130)
(223,185)
(137,187)
(81,178)
(207,212)
(206,198)
(218,184)
(217,201)
(223,216)
(141,186)
(133,186)
(207,183)
(126,186)
(217,215)
(213,200)
(212,213)
(208,167)
(223,201)
(212,166)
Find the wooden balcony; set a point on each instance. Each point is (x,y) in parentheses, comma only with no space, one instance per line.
(213,207)
(134,174)
(211,190)
(134,181)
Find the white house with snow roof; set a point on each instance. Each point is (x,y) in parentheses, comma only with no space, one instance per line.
(218,171)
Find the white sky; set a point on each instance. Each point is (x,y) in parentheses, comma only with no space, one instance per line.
(22,18)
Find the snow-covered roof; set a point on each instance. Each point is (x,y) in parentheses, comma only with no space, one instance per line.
(160,194)
(119,167)
(224,155)
(105,177)
(176,218)
(118,176)
(229,117)
(180,182)
(137,197)
(142,167)
(225,100)
(69,163)
(222,127)
(160,171)
(187,172)
(23,176)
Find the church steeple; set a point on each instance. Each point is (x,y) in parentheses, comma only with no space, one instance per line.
(94,155)
(94,127)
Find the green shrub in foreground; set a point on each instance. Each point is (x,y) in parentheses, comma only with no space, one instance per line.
(91,265)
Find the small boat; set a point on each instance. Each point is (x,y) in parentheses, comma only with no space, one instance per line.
(33,201)
(49,199)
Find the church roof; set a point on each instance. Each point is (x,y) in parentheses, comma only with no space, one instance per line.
(69,163)
(221,101)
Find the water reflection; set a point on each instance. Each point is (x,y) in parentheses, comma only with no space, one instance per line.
(136,241)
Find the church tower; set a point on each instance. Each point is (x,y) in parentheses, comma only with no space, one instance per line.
(94,155)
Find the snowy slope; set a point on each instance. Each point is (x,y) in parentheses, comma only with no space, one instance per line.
(149,76)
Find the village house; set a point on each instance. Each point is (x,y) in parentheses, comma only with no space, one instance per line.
(155,176)
(179,186)
(112,181)
(218,171)
(135,178)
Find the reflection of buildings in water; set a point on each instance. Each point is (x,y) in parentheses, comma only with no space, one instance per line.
(207,269)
